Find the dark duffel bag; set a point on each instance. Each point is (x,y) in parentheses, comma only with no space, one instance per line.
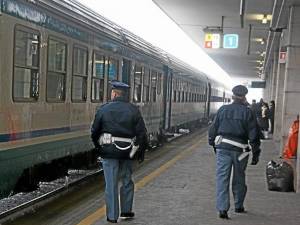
(280,176)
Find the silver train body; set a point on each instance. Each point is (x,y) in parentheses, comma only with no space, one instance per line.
(56,60)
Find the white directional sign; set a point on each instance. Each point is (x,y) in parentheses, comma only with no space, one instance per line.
(231,41)
(216,41)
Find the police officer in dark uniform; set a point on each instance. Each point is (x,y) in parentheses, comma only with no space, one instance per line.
(233,134)
(118,131)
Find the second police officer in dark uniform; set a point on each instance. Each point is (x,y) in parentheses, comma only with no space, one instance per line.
(117,130)
(232,129)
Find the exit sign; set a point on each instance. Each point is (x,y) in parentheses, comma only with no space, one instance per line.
(282,57)
(230,41)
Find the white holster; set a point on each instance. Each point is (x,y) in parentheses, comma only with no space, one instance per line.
(246,147)
(134,149)
(107,138)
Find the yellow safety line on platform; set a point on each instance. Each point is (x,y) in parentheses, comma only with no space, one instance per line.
(92,218)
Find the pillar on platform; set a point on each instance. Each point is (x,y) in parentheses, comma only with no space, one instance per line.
(291,89)
(277,135)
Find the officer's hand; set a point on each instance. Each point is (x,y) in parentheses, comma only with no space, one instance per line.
(255,159)
(211,142)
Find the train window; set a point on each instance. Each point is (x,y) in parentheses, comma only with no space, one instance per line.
(79,80)
(98,77)
(56,76)
(146,88)
(153,85)
(126,70)
(137,83)
(159,83)
(113,71)
(26,64)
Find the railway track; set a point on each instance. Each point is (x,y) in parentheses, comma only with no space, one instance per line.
(23,203)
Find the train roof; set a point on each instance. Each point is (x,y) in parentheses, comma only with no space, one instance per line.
(90,19)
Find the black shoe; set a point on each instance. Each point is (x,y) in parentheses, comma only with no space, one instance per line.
(223,215)
(240,210)
(111,221)
(127,215)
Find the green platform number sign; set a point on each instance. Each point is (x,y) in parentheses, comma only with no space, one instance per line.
(231,41)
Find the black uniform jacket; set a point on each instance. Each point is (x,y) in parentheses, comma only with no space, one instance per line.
(121,119)
(236,122)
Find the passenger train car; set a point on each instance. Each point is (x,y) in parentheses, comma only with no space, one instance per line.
(56,60)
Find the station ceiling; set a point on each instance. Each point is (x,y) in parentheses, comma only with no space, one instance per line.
(193,16)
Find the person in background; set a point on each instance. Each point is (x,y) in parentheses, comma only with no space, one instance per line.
(117,131)
(264,120)
(253,106)
(258,111)
(233,127)
(272,115)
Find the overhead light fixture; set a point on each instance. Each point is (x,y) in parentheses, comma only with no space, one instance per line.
(260,40)
(264,19)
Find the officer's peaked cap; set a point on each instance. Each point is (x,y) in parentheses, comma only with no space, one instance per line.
(118,85)
(239,90)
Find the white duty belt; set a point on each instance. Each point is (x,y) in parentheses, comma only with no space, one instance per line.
(107,138)
(219,139)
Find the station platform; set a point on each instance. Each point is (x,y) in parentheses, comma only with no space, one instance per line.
(176,186)
(182,192)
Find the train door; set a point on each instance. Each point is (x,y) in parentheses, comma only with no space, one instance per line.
(208,94)
(167,98)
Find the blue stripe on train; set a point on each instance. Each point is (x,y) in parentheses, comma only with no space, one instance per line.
(39,133)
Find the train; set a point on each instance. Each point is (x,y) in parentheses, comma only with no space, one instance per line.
(56,61)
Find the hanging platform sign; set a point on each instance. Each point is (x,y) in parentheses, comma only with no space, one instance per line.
(212,40)
(258,84)
(231,41)
(208,41)
(216,38)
